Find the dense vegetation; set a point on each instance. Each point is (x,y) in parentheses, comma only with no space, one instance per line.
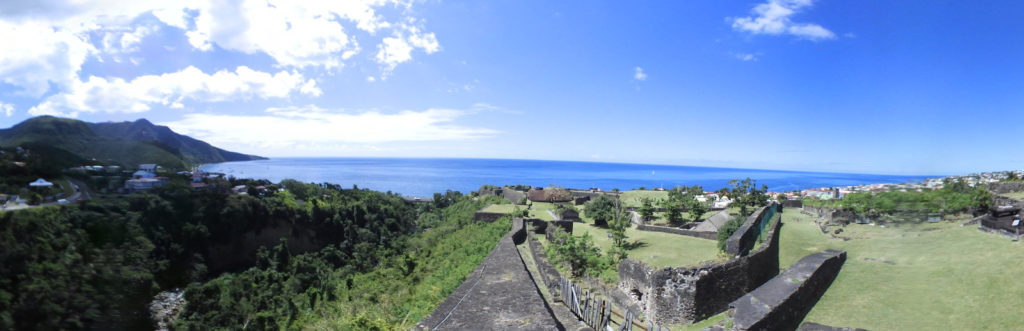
(403,288)
(98,263)
(346,259)
(953,197)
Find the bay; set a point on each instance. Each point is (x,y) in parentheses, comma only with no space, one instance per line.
(421,177)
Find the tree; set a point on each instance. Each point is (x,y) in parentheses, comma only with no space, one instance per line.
(672,210)
(747,196)
(617,228)
(601,209)
(1012,176)
(646,209)
(697,209)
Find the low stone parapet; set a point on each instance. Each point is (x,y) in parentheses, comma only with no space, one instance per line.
(782,302)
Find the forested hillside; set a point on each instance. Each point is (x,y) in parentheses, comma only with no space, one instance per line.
(320,256)
(121,143)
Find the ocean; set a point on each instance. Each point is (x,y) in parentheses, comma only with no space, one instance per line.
(422,177)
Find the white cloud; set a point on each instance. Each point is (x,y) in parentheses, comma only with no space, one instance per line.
(312,126)
(746,56)
(98,94)
(398,48)
(46,42)
(638,74)
(773,17)
(35,55)
(123,42)
(6,109)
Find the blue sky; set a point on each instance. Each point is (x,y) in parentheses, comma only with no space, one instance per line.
(893,87)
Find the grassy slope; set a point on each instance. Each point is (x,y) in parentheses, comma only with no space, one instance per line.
(499,209)
(945,277)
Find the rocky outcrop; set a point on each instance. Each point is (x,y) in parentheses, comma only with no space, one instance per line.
(165,308)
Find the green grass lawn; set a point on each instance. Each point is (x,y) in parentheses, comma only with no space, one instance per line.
(1014,195)
(633,198)
(655,248)
(504,208)
(540,210)
(943,276)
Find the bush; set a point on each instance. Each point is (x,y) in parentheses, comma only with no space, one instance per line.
(581,255)
(728,229)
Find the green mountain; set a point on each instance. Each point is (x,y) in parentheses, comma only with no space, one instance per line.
(125,143)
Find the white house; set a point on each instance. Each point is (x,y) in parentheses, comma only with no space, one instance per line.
(40,183)
(148,167)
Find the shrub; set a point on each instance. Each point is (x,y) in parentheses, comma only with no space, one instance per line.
(728,229)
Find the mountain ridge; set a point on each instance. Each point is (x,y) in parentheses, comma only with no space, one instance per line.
(124,143)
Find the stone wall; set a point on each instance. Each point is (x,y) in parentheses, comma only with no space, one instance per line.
(1006,187)
(550,278)
(793,204)
(500,294)
(684,232)
(689,294)
(744,239)
(782,302)
(554,228)
(831,215)
(487,217)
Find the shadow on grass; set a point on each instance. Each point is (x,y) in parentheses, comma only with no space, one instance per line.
(631,245)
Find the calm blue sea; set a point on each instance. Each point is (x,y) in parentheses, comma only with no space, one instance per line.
(423,177)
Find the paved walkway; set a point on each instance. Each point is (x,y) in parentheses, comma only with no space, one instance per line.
(499,295)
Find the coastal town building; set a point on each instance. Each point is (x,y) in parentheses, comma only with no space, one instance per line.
(136,184)
(40,183)
(143,174)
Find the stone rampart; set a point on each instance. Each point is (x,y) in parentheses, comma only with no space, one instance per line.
(683,232)
(793,204)
(689,294)
(1006,187)
(832,215)
(782,302)
(551,277)
(744,239)
(518,231)
(499,295)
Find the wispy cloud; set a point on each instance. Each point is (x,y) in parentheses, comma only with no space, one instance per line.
(319,128)
(638,74)
(773,17)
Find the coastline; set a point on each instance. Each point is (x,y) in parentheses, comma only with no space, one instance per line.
(421,177)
